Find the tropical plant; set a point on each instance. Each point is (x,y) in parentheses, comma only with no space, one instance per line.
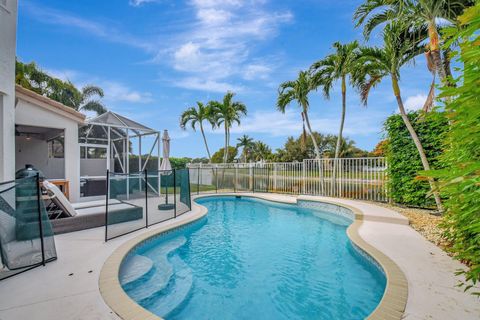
(341,65)
(219,156)
(29,76)
(460,177)
(247,144)
(298,90)
(425,18)
(399,48)
(195,116)
(227,113)
(261,151)
(86,103)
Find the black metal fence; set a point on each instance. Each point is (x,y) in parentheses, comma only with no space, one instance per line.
(26,235)
(139,200)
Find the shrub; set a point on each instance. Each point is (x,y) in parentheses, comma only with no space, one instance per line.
(403,160)
(460,179)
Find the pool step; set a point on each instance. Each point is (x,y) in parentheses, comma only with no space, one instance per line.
(166,301)
(156,280)
(134,268)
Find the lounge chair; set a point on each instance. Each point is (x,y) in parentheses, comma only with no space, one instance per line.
(86,215)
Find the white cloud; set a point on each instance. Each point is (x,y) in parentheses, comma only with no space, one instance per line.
(275,123)
(218,45)
(113,91)
(213,16)
(137,3)
(256,71)
(194,83)
(415,102)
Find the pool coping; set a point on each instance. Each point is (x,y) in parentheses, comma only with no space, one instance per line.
(391,306)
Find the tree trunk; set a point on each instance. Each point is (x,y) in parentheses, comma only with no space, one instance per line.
(435,51)
(340,132)
(310,132)
(416,140)
(226,145)
(447,67)
(205,141)
(342,119)
(317,151)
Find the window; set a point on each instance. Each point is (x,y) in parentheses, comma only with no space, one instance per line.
(55,148)
(93,153)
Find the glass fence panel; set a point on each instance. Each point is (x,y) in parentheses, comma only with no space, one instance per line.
(182,186)
(26,235)
(126,204)
(139,200)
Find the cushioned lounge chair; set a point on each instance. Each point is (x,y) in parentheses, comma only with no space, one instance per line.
(86,215)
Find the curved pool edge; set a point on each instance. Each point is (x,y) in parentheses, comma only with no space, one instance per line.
(391,306)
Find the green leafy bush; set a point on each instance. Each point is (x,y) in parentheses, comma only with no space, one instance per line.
(460,178)
(404,162)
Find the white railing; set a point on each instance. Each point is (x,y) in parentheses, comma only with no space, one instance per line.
(354,178)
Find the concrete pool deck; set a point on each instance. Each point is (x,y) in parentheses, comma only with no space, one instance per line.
(52,293)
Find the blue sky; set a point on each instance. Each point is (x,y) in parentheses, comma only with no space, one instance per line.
(154,58)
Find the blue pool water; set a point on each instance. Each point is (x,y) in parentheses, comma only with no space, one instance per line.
(254,259)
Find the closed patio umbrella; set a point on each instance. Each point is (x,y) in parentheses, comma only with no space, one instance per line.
(165,165)
(165,168)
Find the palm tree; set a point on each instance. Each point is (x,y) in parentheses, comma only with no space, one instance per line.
(196,115)
(298,90)
(261,151)
(227,113)
(416,15)
(399,48)
(246,143)
(85,103)
(341,65)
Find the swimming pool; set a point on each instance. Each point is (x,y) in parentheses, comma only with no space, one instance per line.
(252,258)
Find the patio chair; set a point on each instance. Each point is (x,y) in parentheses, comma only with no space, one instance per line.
(86,215)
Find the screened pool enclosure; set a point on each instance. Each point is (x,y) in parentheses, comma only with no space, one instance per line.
(115,143)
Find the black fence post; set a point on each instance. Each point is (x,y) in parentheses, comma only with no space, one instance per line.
(189,194)
(174,194)
(39,195)
(146,198)
(106,205)
(216,180)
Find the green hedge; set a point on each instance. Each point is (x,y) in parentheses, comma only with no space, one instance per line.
(460,179)
(404,163)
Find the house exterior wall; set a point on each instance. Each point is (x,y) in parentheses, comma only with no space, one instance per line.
(27,113)
(8,29)
(35,152)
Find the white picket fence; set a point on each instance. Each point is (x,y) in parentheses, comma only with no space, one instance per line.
(354,178)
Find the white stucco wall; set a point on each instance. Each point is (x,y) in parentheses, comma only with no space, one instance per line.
(27,113)
(8,29)
(35,152)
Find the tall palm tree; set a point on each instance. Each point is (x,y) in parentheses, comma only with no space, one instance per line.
(399,48)
(227,113)
(246,143)
(86,101)
(196,115)
(341,65)
(416,15)
(298,90)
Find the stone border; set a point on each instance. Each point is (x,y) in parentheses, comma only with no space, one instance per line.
(391,306)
